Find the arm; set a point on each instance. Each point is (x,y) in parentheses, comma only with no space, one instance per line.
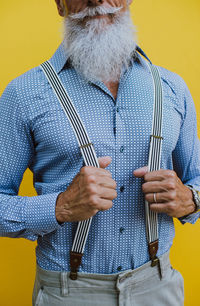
(172,196)
(188,147)
(25,217)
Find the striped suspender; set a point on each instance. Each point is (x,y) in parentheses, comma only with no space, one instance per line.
(154,161)
(153,165)
(90,159)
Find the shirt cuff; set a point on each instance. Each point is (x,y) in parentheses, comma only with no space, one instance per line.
(192,218)
(39,214)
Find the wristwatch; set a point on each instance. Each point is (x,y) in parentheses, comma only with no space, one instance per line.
(196,197)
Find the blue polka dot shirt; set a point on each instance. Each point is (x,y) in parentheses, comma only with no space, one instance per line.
(36,134)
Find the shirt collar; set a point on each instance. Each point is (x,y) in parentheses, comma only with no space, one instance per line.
(60,58)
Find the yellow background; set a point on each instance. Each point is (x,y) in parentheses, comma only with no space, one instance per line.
(168,32)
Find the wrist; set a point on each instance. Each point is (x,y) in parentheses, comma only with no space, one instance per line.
(195,198)
(58,209)
(59,199)
(191,208)
(193,205)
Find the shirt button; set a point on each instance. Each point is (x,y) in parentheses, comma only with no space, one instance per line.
(122,229)
(119,268)
(117,109)
(122,149)
(121,188)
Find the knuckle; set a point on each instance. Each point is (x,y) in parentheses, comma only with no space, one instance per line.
(108,205)
(171,174)
(144,187)
(171,185)
(91,179)
(83,170)
(86,170)
(171,207)
(109,173)
(115,195)
(172,195)
(93,201)
(147,197)
(92,189)
(114,184)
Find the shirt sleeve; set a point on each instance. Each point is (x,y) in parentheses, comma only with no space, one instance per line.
(26,217)
(186,156)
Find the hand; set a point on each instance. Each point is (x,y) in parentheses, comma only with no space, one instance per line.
(172,196)
(92,190)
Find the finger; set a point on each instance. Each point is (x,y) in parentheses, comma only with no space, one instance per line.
(157,197)
(155,186)
(108,182)
(107,193)
(104,205)
(94,171)
(102,172)
(160,175)
(140,172)
(104,161)
(159,208)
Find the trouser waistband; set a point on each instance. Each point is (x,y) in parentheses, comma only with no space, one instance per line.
(62,280)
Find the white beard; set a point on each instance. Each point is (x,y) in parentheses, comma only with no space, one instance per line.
(100,51)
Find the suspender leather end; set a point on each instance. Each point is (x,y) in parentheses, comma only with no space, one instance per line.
(75,262)
(153,248)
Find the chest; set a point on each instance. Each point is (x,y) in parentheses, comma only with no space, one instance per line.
(125,123)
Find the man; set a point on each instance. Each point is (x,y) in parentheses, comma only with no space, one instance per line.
(111,86)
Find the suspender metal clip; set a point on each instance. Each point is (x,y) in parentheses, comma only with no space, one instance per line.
(73,275)
(156,262)
(153,248)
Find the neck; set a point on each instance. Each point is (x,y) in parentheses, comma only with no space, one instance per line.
(113,87)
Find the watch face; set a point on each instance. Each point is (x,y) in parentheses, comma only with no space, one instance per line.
(196,197)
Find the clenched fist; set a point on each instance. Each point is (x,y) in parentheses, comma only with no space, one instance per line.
(92,190)
(171,195)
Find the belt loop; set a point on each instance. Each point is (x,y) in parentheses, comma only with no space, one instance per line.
(64,284)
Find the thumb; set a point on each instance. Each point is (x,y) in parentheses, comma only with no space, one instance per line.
(104,161)
(140,172)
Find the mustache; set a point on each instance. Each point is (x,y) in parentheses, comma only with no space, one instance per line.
(95,11)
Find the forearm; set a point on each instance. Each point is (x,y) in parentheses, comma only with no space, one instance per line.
(27,217)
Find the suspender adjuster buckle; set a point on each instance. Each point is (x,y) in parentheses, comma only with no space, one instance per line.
(156,136)
(86,145)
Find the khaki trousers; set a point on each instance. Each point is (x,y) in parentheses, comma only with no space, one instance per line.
(139,287)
